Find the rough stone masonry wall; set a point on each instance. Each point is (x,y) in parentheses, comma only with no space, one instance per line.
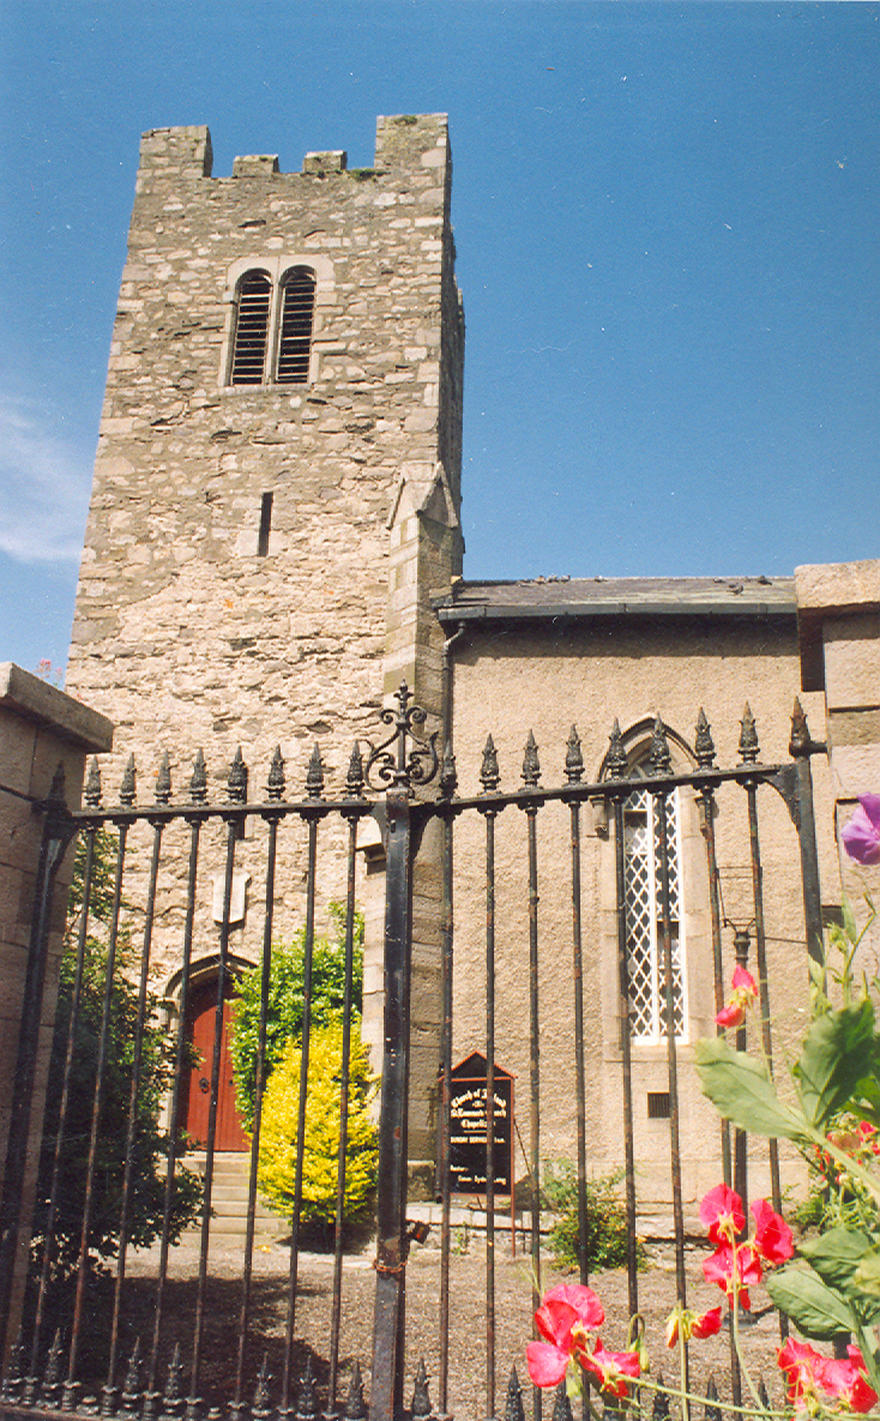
(182,632)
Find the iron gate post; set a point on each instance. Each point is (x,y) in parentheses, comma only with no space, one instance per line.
(386,1392)
(58,830)
(801,747)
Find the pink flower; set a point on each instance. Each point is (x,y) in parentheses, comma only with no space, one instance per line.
(773,1239)
(547,1361)
(845,1380)
(861,836)
(721,1210)
(707,1324)
(565,1315)
(614,1369)
(734,1270)
(745,991)
(802,1367)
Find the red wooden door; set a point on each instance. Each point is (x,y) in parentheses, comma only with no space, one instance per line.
(196,1097)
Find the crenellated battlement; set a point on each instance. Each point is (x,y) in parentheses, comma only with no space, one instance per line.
(414,142)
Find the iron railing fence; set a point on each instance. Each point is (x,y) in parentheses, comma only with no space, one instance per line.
(233,1337)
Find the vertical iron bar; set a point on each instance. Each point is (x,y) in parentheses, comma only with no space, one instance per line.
(764,993)
(233,823)
(259,1082)
(179,1061)
(336,1316)
(579,1066)
(740,1141)
(131,1128)
(490,1112)
(661,801)
(308,957)
(386,1393)
(801,747)
(97,1106)
(446,968)
(626,1057)
(57,831)
(531,811)
(706,801)
(58,1152)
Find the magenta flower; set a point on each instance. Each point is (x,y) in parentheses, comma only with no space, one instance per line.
(861,836)
(614,1370)
(721,1210)
(773,1239)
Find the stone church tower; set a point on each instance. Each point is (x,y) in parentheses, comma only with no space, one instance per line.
(276,489)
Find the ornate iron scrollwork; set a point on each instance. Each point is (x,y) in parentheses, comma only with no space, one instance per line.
(405,758)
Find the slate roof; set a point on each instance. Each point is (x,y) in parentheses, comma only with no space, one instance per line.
(587,598)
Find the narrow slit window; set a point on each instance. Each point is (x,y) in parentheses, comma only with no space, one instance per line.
(251,329)
(265,525)
(295,340)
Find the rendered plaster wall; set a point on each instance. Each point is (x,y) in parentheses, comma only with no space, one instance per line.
(546,680)
(40,730)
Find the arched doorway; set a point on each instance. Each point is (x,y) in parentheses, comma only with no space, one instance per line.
(195,1097)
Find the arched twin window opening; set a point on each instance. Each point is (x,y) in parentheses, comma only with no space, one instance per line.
(272,338)
(643,880)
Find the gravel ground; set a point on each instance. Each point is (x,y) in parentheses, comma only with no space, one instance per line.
(467,1350)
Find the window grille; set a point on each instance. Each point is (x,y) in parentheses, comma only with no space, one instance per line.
(644,916)
(251,329)
(297,308)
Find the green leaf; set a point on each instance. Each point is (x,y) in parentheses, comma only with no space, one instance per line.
(867,1275)
(837,1256)
(814,1307)
(836,1050)
(742,1091)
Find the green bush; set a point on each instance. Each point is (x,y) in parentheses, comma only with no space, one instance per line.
(278,1135)
(284,1016)
(606,1218)
(156,1071)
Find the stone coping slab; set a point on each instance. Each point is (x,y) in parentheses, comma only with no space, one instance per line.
(45,705)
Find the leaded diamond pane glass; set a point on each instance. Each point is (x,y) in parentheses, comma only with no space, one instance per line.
(644,912)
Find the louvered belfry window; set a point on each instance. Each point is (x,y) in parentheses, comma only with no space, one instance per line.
(295,339)
(251,329)
(644,916)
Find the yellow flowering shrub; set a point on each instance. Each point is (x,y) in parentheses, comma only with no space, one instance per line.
(277,1163)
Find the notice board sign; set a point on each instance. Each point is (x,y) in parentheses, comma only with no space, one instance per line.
(469,1127)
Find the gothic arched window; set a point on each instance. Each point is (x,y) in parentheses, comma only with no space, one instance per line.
(251,337)
(295,337)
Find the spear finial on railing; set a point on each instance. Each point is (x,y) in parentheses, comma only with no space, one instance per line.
(131,1387)
(448,773)
(198,785)
(659,757)
(237,782)
(276,782)
(531,769)
(354,783)
(574,760)
(616,763)
(163,779)
(561,1404)
(129,780)
(307,1402)
(489,776)
(800,743)
(92,794)
(261,1408)
(513,1407)
(704,745)
(748,739)
(713,1410)
(355,1406)
(421,1401)
(315,774)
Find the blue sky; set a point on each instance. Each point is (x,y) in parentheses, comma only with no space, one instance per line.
(666,218)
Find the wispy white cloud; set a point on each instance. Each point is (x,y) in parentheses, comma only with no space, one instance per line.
(44,485)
